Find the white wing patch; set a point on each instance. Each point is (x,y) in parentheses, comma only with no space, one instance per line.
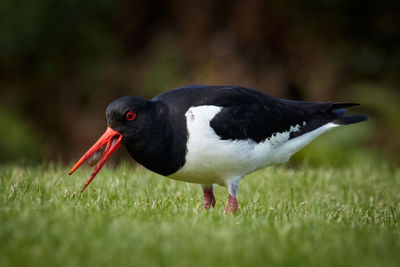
(212,160)
(278,139)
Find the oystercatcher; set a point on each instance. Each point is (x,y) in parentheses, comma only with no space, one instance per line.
(213,134)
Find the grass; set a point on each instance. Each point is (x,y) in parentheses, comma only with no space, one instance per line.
(131,217)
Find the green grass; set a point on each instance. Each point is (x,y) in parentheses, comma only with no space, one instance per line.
(287,217)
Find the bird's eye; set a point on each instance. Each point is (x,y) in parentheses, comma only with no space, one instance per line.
(130,116)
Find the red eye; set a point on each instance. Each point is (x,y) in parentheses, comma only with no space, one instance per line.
(130,116)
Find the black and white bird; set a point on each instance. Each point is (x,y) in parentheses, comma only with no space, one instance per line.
(213,134)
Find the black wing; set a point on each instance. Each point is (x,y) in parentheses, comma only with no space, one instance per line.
(260,121)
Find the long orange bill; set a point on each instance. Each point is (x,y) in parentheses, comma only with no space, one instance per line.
(113,140)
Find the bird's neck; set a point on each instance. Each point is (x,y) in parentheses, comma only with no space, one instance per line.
(157,149)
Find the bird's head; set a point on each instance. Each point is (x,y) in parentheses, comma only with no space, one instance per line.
(127,117)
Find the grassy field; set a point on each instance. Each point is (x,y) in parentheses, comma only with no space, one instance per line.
(287,217)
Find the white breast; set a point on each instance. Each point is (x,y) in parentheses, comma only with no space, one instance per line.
(212,160)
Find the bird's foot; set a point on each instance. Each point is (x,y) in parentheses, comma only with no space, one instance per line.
(209,199)
(232,205)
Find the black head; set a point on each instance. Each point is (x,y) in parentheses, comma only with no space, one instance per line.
(132,121)
(127,114)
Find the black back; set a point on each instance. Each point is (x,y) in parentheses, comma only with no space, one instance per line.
(249,114)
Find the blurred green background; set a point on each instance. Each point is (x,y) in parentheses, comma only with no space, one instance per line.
(62,62)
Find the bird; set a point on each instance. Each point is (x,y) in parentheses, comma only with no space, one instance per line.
(213,135)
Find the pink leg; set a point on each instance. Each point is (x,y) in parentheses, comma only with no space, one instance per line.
(232,205)
(209,199)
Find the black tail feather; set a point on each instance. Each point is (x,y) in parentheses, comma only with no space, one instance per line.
(319,114)
(341,119)
(340,105)
(349,119)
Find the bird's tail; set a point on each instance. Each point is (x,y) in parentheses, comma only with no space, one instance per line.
(337,109)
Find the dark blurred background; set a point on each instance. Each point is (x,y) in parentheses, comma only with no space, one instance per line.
(62,62)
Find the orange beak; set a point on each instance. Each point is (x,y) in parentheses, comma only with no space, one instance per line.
(113,140)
